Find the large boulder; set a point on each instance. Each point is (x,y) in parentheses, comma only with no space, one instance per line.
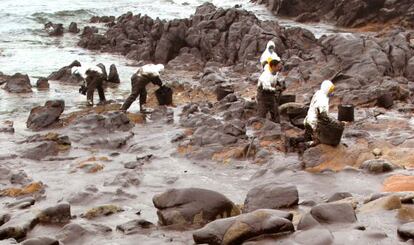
(57,214)
(54,29)
(378,166)
(18,83)
(39,150)
(43,116)
(323,156)
(39,146)
(293,109)
(271,196)
(206,135)
(64,74)
(18,226)
(113,76)
(108,122)
(236,230)
(42,83)
(331,213)
(73,28)
(109,129)
(192,206)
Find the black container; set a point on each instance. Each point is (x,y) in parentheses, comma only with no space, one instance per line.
(385,100)
(223,91)
(329,130)
(346,113)
(298,121)
(164,95)
(286,98)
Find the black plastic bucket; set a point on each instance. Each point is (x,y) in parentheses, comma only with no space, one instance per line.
(329,130)
(286,98)
(298,121)
(164,95)
(346,113)
(385,100)
(223,91)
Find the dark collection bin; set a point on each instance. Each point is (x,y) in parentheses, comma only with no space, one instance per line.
(164,95)
(223,91)
(346,113)
(286,98)
(329,130)
(298,121)
(385,100)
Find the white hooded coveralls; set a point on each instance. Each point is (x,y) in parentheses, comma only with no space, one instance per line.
(268,80)
(81,70)
(269,53)
(320,101)
(151,70)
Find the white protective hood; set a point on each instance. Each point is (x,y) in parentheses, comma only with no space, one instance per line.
(151,70)
(268,53)
(320,101)
(81,70)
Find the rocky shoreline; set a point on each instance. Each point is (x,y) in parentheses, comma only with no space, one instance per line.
(355,13)
(234,37)
(208,170)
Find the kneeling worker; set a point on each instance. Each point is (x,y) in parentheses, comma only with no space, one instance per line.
(319,104)
(94,80)
(269,88)
(139,81)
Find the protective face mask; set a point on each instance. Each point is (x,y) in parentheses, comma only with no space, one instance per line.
(331,91)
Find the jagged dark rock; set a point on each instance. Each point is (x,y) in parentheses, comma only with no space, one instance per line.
(54,29)
(353,13)
(192,206)
(42,83)
(43,116)
(73,28)
(236,230)
(64,74)
(18,83)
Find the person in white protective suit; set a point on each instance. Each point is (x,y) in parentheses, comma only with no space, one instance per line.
(139,81)
(269,88)
(319,104)
(269,53)
(94,79)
